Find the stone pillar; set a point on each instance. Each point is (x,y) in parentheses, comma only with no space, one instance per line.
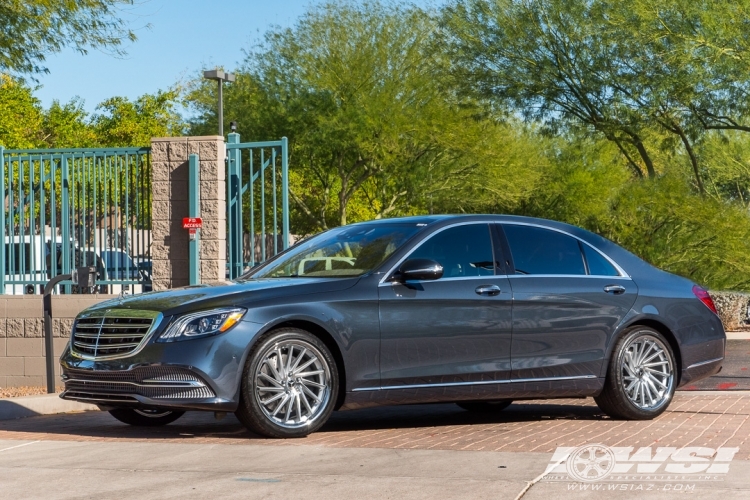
(169,173)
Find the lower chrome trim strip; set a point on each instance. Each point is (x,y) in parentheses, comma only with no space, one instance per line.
(696,365)
(479,382)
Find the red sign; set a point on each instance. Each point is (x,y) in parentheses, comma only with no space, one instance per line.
(192,223)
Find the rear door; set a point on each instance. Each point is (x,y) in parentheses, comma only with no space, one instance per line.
(568,298)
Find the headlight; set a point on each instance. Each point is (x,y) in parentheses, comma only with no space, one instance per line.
(202,324)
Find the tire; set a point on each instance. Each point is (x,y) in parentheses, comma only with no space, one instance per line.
(485,406)
(145,418)
(632,390)
(276,405)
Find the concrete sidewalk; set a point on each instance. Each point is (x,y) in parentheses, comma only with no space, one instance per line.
(32,406)
(145,470)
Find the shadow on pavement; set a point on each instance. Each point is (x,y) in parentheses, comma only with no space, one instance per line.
(196,425)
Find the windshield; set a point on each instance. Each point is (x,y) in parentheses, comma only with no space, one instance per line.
(343,252)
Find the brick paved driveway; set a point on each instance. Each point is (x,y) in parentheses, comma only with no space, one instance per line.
(693,419)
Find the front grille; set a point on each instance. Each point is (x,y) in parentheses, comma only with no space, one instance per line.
(155,382)
(109,336)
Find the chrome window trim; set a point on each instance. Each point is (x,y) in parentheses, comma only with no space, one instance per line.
(478,382)
(453,278)
(623,274)
(118,313)
(414,249)
(540,226)
(702,363)
(567,276)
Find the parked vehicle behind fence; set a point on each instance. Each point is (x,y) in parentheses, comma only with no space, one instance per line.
(31,261)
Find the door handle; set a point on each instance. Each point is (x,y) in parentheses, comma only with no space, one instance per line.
(490,290)
(615,289)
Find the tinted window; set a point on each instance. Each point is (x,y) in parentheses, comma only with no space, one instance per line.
(598,265)
(541,251)
(461,250)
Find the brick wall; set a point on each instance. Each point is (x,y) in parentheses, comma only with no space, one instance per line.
(22,352)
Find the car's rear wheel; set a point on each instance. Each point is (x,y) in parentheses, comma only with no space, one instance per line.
(145,417)
(485,406)
(641,377)
(289,385)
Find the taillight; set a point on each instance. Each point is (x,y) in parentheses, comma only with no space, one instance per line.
(704,297)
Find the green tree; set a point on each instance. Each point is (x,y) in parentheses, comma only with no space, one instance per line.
(646,75)
(20,114)
(120,122)
(67,126)
(32,29)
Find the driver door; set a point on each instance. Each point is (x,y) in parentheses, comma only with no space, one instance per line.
(453,331)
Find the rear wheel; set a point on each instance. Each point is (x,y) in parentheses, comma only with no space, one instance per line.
(145,417)
(289,385)
(485,406)
(641,378)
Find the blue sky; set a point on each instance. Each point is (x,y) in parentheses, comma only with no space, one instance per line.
(185,36)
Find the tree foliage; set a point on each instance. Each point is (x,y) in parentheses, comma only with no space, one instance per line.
(33,29)
(373,134)
(117,121)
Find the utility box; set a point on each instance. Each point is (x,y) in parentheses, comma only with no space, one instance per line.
(84,277)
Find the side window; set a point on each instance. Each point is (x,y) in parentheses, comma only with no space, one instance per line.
(541,251)
(598,265)
(462,251)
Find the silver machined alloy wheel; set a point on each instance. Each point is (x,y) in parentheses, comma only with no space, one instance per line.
(647,372)
(292,384)
(641,376)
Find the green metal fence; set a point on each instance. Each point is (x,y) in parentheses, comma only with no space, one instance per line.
(257,202)
(65,208)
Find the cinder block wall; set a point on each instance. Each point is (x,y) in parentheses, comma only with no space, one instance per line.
(22,352)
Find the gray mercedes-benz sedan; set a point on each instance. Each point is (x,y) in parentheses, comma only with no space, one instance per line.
(478,310)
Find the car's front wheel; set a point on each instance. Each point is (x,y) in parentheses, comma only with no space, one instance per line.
(641,378)
(289,385)
(145,417)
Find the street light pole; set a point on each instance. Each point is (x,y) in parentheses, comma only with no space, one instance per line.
(221,77)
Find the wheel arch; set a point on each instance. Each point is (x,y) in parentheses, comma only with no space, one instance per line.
(324,336)
(661,328)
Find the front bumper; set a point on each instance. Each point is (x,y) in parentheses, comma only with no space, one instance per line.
(197,374)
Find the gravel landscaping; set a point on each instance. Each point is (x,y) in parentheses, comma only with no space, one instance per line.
(14,392)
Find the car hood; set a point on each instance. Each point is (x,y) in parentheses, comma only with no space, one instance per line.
(223,294)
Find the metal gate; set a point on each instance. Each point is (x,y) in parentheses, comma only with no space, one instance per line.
(64,208)
(257,202)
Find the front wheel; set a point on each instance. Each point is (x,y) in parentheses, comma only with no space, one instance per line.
(289,385)
(145,417)
(641,376)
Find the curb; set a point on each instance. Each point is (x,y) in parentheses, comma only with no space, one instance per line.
(738,335)
(32,406)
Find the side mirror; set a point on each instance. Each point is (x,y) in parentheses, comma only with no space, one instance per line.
(418,270)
